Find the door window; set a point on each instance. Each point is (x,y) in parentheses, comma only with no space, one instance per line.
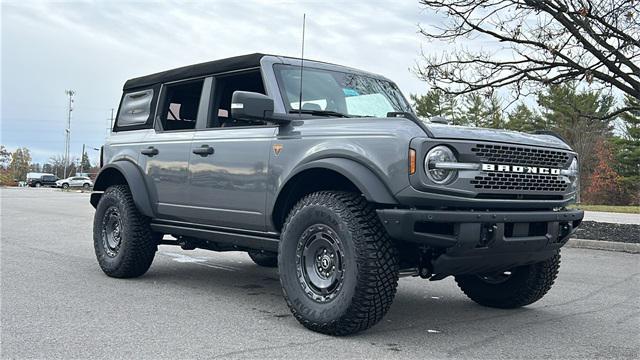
(180,104)
(224,88)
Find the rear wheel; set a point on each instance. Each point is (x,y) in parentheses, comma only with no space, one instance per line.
(86,186)
(123,241)
(517,287)
(262,258)
(338,268)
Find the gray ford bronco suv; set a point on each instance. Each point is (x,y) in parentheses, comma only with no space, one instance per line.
(325,172)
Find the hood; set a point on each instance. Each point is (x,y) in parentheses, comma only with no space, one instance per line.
(441,131)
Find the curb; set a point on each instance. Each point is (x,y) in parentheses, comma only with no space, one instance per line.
(632,248)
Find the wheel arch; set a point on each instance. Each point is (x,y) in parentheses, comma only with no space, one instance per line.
(328,174)
(123,173)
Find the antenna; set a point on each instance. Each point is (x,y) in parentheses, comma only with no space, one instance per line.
(304,21)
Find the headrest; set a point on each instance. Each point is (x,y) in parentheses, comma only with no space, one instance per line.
(189,110)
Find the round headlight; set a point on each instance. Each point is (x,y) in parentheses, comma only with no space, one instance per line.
(439,154)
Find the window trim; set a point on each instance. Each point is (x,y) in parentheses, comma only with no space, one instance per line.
(157,123)
(212,97)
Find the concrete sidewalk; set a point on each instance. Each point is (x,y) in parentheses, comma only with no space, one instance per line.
(610,217)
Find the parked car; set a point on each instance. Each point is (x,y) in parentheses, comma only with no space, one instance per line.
(75,181)
(42,180)
(339,184)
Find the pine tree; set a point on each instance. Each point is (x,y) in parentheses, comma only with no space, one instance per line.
(455,116)
(495,118)
(577,117)
(85,163)
(524,119)
(628,150)
(475,110)
(434,103)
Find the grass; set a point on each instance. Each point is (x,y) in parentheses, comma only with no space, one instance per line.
(610,208)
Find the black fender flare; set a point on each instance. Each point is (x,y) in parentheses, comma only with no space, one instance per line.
(370,184)
(134,178)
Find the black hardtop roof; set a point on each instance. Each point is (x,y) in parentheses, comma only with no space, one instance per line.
(190,71)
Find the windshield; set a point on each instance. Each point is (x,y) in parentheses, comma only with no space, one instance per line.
(340,92)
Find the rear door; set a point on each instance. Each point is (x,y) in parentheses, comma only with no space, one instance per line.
(229,161)
(165,152)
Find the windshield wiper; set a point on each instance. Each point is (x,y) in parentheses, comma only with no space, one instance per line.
(319,112)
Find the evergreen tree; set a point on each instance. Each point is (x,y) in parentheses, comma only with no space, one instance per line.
(628,150)
(454,113)
(475,110)
(524,119)
(495,118)
(629,154)
(577,117)
(434,103)
(85,163)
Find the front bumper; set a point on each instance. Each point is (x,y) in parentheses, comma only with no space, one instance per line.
(482,241)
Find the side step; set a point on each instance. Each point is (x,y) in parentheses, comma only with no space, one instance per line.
(241,239)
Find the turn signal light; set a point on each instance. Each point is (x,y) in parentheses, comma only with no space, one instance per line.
(412,161)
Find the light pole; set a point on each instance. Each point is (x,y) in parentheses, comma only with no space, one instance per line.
(67,140)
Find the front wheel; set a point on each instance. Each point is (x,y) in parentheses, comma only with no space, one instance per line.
(122,238)
(65,186)
(338,268)
(38,185)
(517,287)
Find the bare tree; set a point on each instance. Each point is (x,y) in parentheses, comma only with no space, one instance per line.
(540,42)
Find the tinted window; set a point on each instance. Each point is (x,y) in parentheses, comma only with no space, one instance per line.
(180,104)
(223,91)
(135,108)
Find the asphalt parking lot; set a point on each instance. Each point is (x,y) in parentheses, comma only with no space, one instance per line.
(57,303)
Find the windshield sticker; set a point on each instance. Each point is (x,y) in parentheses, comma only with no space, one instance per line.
(349,92)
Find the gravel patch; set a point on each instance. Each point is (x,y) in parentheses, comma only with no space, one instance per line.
(591,230)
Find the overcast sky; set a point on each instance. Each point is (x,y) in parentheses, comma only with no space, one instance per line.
(94,47)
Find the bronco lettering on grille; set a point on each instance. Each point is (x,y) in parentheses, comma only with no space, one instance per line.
(520,169)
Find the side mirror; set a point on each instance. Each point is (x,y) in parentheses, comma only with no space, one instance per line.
(251,106)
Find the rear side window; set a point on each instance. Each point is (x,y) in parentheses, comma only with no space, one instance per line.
(135,108)
(180,103)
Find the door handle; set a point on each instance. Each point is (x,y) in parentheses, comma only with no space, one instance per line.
(150,151)
(204,150)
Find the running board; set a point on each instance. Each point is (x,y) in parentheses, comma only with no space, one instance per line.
(242,240)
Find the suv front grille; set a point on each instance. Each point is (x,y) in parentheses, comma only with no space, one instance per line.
(521,155)
(520,182)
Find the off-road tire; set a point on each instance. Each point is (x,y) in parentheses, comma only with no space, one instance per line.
(370,275)
(266,259)
(138,243)
(526,285)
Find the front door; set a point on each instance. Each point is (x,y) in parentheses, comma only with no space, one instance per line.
(229,160)
(228,175)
